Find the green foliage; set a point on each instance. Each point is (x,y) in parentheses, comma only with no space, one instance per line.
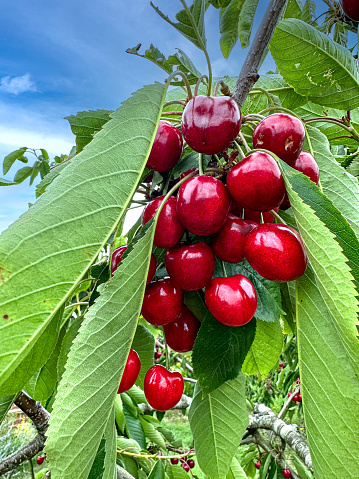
(5,404)
(144,344)
(315,66)
(10,159)
(245,21)
(228,26)
(85,124)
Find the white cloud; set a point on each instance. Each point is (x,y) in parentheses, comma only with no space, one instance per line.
(16,85)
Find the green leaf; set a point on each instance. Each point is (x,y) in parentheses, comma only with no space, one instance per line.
(308,12)
(219,352)
(5,404)
(10,159)
(338,185)
(228,26)
(329,359)
(110,446)
(98,466)
(152,434)
(22,174)
(190,22)
(245,21)
(49,178)
(119,414)
(218,422)
(315,65)
(85,124)
(144,345)
(158,472)
(134,427)
(265,350)
(236,471)
(95,366)
(194,300)
(275,85)
(66,344)
(175,472)
(4,182)
(45,253)
(294,9)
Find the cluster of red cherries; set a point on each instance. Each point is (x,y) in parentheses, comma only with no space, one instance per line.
(186,463)
(226,214)
(287,473)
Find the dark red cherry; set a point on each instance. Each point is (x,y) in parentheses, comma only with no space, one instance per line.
(191,463)
(228,243)
(163,389)
(41,459)
(256,182)
(351,9)
(166,149)
(185,466)
(162,302)
(185,173)
(257,464)
(117,257)
(282,134)
(299,398)
(281,365)
(276,252)
(232,300)
(203,204)
(174,460)
(151,269)
(181,333)
(287,473)
(131,372)
(158,354)
(210,124)
(169,229)
(190,266)
(307,165)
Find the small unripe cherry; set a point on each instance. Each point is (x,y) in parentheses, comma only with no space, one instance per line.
(287,473)
(297,380)
(257,464)
(279,371)
(174,460)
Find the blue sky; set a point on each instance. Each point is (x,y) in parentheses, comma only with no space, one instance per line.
(58,58)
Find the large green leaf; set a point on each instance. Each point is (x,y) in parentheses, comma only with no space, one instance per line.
(265,350)
(110,447)
(45,253)
(275,85)
(12,157)
(85,124)
(245,21)
(5,404)
(236,471)
(94,368)
(218,422)
(328,362)
(228,26)
(144,345)
(158,472)
(294,9)
(338,185)
(315,65)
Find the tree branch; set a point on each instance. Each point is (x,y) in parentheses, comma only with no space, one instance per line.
(249,73)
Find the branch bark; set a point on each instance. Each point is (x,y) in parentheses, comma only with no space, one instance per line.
(249,73)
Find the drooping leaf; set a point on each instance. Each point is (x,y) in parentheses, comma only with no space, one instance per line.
(10,159)
(22,174)
(331,403)
(294,9)
(228,26)
(152,434)
(119,414)
(45,253)
(49,178)
(5,404)
(218,422)
(4,182)
(194,300)
(236,471)
(158,472)
(98,466)
(245,21)
(95,366)
(110,447)
(144,345)
(315,65)
(219,352)
(275,85)
(265,350)
(338,185)
(134,427)
(85,124)
(190,22)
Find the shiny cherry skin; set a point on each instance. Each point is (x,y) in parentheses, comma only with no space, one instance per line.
(162,302)
(169,230)
(351,9)
(117,257)
(257,464)
(41,459)
(182,332)
(287,473)
(185,466)
(282,134)
(203,204)
(163,389)
(191,463)
(228,243)
(210,124)
(299,398)
(131,372)
(256,182)
(190,266)
(174,461)
(276,252)
(232,300)
(166,149)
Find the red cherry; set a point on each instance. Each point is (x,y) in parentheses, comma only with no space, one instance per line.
(282,134)
(295,398)
(174,460)
(151,269)
(287,473)
(158,354)
(169,229)
(297,380)
(117,257)
(257,464)
(191,463)
(190,266)
(228,243)
(307,165)
(232,300)
(281,365)
(279,371)
(203,204)
(256,182)
(166,149)
(351,9)
(163,389)
(185,173)
(41,459)
(162,302)
(276,252)
(181,333)
(299,398)
(185,466)
(131,372)
(210,124)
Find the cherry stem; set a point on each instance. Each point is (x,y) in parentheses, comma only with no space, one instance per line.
(174,102)
(278,217)
(202,77)
(223,85)
(156,456)
(270,99)
(185,79)
(261,221)
(241,152)
(278,108)
(171,113)
(288,402)
(340,123)
(253,117)
(224,269)
(241,136)
(200,164)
